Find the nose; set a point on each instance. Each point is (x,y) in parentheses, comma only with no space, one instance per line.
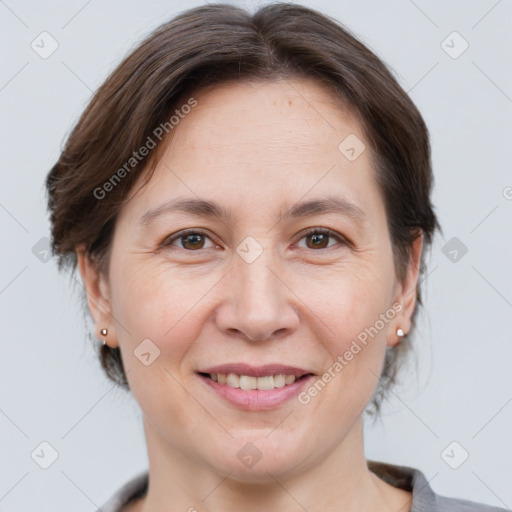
(258,304)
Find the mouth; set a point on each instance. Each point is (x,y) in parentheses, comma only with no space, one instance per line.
(255,388)
(250,382)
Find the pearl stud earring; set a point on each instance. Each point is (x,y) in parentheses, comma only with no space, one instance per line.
(400,332)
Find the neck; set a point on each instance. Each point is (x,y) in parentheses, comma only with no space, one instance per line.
(340,481)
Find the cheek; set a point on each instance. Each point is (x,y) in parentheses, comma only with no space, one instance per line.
(170,305)
(156,303)
(173,306)
(356,310)
(349,299)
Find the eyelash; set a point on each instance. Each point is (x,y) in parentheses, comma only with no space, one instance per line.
(167,242)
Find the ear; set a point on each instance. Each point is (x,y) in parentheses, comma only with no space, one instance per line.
(98,297)
(405,294)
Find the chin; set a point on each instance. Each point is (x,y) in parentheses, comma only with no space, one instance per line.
(259,456)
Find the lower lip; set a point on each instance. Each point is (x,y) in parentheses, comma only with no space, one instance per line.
(255,399)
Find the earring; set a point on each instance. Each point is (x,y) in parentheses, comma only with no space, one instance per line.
(400,332)
(104,332)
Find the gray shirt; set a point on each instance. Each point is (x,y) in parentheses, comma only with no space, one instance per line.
(423,497)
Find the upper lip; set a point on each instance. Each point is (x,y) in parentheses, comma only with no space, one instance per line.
(256,371)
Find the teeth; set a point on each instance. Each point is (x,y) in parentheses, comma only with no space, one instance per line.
(248,382)
(266,382)
(289,379)
(279,381)
(233,380)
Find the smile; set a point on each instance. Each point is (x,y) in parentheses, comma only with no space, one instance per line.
(248,382)
(255,388)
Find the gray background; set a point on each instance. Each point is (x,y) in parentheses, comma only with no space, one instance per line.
(52,388)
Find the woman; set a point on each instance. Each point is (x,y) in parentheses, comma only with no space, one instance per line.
(247,200)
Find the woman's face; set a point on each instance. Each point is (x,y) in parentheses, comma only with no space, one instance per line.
(248,291)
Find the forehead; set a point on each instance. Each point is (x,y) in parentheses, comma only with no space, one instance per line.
(282,112)
(256,140)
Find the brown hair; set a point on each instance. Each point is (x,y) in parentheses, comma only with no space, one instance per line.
(212,45)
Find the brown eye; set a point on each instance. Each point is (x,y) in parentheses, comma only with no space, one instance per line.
(319,238)
(190,240)
(193,241)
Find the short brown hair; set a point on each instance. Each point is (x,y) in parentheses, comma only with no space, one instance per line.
(212,45)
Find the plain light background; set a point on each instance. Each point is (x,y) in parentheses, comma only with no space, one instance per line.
(459,387)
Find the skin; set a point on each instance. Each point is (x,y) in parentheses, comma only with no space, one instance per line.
(256,148)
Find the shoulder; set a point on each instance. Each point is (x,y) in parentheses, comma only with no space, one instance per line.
(129,492)
(456,505)
(424,499)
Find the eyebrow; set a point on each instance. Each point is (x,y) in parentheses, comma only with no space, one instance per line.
(203,208)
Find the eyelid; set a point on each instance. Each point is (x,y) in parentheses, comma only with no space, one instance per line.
(168,240)
(326,231)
